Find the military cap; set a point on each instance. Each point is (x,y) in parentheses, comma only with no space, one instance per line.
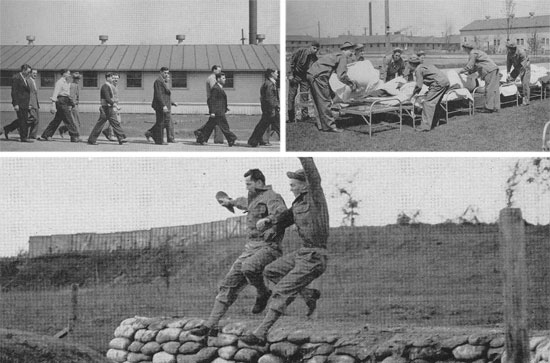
(397,50)
(468,45)
(420,53)
(346,45)
(415,59)
(359,46)
(299,174)
(315,44)
(511,45)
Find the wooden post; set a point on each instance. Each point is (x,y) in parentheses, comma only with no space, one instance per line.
(514,267)
(74,307)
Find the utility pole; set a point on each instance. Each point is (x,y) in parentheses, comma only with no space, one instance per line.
(318,29)
(370,18)
(387,8)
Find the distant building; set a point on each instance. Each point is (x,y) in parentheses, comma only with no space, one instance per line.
(532,33)
(377,43)
(138,66)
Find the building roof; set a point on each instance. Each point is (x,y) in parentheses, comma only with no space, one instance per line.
(141,57)
(300,38)
(394,38)
(502,24)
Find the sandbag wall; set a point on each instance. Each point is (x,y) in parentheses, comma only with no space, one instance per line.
(161,340)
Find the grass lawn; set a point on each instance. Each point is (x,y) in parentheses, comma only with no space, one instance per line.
(512,129)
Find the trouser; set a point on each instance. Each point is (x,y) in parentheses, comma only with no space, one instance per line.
(109,114)
(247,268)
(292,273)
(64,114)
(32,123)
(107,131)
(76,118)
(320,90)
(297,83)
(492,90)
(431,103)
(525,78)
(268,119)
(221,121)
(163,121)
(23,118)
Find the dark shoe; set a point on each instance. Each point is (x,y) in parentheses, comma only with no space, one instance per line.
(107,136)
(252,339)
(92,143)
(61,133)
(122,142)
(6,134)
(199,137)
(148,135)
(311,301)
(231,143)
(78,139)
(44,138)
(261,303)
(27,140)
(171,141)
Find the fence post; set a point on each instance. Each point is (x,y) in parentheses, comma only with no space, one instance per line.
(74,307)
(514,267)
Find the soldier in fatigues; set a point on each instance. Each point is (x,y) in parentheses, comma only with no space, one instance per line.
(262,248)
(318,76)
(293,272)
(392,66)
(438,84)
(517,58)
(300,62)
(480,62)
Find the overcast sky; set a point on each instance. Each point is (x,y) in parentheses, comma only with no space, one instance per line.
(134,21)
(421,17)
(43,196)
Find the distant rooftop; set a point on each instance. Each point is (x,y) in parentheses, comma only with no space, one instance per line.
(500,24)
(140,57)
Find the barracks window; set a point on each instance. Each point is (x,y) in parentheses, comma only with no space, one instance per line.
(47,79)
(89,79)
(5,78)
(179,79)
(229,80)
(133,80)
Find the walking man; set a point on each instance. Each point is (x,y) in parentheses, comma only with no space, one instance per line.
(211,82)
(480,62)
(262,248)
(162,105)
(217,110)
(293,272)
(269,98)
(518,59)
(33,110)
(20,99)
(109,105)
(438,84)
(61,107)
(75,96)
(107,131)
(318,76)
(300,62)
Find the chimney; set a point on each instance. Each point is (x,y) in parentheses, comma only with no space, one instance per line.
(31,39)
(531,14)
(180,38)
(252,20)
(260,38)
(370,18)
(103,39)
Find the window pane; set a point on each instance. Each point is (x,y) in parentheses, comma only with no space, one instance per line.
(5,78)
(47,79)
(179,79)
(133,80)
(229,81)
(89,79)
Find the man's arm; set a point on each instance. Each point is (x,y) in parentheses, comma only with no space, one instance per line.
(107,94)
(419,80)
(342,72)
(14,92)
(158,90)
(469,68)
(240,203)
(56,90)
(271,98)
(312,174)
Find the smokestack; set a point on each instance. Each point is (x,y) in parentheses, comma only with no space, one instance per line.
(103,39)
(180,38)
(370,18)
(252,20)
(260,38)
(31,39)
(387,17)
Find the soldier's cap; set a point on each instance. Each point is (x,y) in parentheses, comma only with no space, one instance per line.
(397,50)
(468,45)
(359,46)
(222,195)
(346,45)
(315,44)
(299,174)
(415,59)
(420,52)
(75,74)
(511,45)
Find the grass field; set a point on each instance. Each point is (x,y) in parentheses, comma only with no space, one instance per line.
(419,276)
(134,126)
(512,129)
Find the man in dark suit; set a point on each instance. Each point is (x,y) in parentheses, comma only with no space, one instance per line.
(20,99)
(269,98)
(217,109)
(162,106)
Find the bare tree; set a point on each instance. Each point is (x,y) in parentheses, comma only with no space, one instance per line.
(509,8)
(536,171)
(449,28)
(352,203)
(534,43)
